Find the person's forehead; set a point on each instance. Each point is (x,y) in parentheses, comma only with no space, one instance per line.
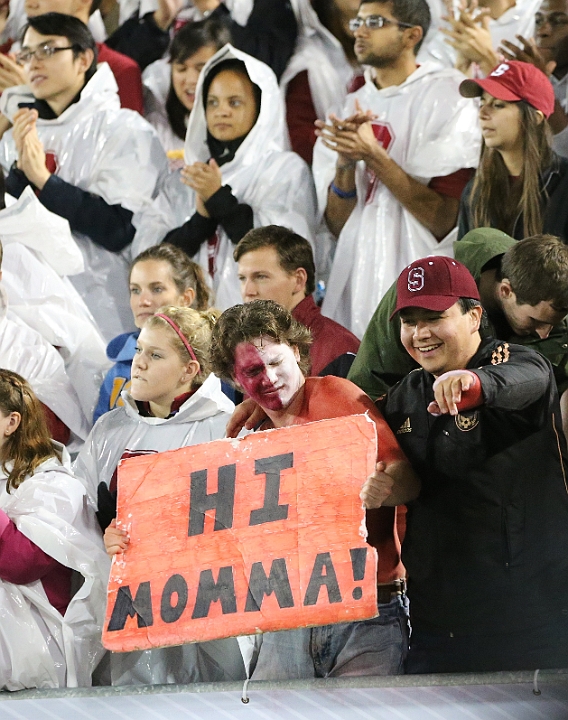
(230,82)
(259,258)
(375,8)
(32,37)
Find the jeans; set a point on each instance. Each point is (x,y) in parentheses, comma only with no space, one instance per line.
(367,647)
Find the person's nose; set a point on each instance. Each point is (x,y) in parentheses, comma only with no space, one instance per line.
(271,375)
(249,290)
(138,362)
(422,330)
(145,299)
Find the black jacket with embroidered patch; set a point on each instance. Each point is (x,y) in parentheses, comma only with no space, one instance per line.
(486,547)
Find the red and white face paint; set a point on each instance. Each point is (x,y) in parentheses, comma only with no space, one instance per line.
(268,372)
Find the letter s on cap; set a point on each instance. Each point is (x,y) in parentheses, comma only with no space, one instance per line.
(416,279)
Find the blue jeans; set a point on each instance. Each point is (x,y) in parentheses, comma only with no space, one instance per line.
(367,647)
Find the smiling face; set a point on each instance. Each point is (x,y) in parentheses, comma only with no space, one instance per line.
(231,109)
(440,341)
(151,287)
(56,79)
(185,75)
(500,124)
(158,373)
(268,372)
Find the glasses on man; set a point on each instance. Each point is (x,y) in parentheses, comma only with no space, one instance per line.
(554,19)
(42,52)
(374,22)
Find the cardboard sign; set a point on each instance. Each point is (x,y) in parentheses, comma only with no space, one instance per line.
(235,537)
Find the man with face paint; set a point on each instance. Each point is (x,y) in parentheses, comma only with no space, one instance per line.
(486,549)
(264,351)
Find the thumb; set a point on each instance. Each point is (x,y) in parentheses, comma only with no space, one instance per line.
(381,466)
(213,164)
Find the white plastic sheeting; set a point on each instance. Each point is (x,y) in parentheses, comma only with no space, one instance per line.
(429,130)
(38,646)
(111,152)
(275,183)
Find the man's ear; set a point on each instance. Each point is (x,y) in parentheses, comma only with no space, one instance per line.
(414,35)
(301,279)
(85,60)
(476,315)
(505,290)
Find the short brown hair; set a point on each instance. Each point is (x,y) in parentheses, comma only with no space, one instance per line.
(292,249)
(537,269)
(259,318)
(196,327)
(185,272)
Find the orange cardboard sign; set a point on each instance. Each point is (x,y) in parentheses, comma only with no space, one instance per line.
(235,537)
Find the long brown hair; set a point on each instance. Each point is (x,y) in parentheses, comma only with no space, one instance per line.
(495,202)
(29,445)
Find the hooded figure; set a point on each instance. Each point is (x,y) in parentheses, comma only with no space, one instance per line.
(98,148)
(124,432)
(261,183)
(429,132)
(40,647)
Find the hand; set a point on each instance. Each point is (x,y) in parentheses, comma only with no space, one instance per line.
(24,122)
(204,178)
(11,73)
(448,389)
(529,53)
(206,6)
(31,155)
(377,488)
(343,135)
(116,540)
(469,35)
(167,12)
(246,415)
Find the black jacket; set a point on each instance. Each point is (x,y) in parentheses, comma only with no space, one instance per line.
(554,194)
(486,548)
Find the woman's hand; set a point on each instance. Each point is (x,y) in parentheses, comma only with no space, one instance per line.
(204,178)
(116,540)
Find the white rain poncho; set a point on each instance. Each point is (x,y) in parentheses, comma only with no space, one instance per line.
(202,417)
(430,131)
(39,252)
(239,9)
(111,152)
(38,646)
(23,350)
(275,183)
(156,80)
(321,54)
(517,20)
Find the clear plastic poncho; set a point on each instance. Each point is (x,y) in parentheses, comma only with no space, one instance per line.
(277,184)
(429,130)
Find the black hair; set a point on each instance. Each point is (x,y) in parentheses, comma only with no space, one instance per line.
(236,66)
(67,26)
(189,40)
(413,12)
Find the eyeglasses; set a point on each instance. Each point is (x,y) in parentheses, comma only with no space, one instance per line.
(374,22)
(43,52)
(554,19)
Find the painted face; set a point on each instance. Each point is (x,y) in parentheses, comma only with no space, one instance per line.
(262,278)
(186,74)
(500,123)
(55,77)
(528,319)
(383,46)
(152,287)
(231,106)
(157,369)
(268,372)
(440,341)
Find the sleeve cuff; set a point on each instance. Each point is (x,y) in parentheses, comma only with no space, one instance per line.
(473,397)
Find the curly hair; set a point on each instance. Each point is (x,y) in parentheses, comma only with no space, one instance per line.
(244,323)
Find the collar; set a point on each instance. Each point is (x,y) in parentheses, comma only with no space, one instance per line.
(44,110)
(145,411)
(306,311)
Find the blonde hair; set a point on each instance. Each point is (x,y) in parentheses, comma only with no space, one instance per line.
(30,444)
(196,326)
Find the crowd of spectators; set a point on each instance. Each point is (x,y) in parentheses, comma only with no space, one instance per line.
(311,209)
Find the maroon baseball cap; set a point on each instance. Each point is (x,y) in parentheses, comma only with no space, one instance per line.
(434,283)
(513,81)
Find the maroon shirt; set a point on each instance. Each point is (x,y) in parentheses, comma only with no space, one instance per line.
(127,75)
(330,339)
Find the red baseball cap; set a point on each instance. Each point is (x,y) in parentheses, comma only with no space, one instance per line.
(513,81)
(434,283)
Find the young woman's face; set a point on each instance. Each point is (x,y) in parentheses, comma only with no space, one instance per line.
(158,373)
(500,124)
(268,372)
(231,106)
(186,74)
(151,287)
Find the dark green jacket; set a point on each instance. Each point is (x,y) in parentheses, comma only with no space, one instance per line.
(382,361)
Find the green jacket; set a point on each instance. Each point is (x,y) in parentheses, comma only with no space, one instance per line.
(382,361)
